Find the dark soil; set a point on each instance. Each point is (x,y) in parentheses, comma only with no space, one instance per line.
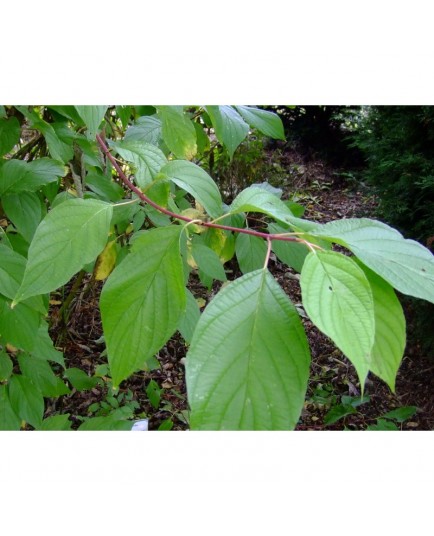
(327,195)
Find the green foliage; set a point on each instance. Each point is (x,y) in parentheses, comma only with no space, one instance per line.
(68,208)
(247,369)
(338,299)
(142,301)
(397,144)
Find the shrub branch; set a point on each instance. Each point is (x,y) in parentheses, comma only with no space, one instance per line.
(146,199)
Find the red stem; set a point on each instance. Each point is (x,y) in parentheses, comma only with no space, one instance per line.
(146,199)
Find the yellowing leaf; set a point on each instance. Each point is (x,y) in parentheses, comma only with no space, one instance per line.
(201,302)
(105,262)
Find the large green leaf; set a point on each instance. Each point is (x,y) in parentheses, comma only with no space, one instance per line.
(389,344)
(338,299)
(9,420)
(248,364)
(178,131)
(405,264)
(142,301)
(26,400)
(196,182)
(17,176)
(250,251)
(10,131)
(71,235)
(25,211)
(229,126)
(147,159)
(257,199)
(92,117)
(268,123)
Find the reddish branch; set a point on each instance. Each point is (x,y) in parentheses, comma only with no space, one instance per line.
(149,201)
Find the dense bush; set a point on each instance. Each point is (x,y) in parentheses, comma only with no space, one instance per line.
(398,145)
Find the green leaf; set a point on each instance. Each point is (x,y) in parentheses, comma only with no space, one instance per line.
(12,266)
(9,420)
(338,412)
(25,211)
(355,401)
(291,253)
(42,376)
(229,126)
(383,425)
(58,149)
(338,299)
(43,347)
(178,131)
(196,182)
(165,425)
(92,117)
(6,366)
(69,112)
(390,333)
(71,235)
(203,143)
(153,393)
(142,301)
(159,192)
(401,414)
(189,319)
(26,400)
(80,380)
(124,113)
(208,261)
(57,423)
(250,251)
(268,123)
(145,130)
(104,187)
(405,264)
(248,364)
(257,199)
(110,424)
(17,176)
(10,131)
(147,159)
(18,326)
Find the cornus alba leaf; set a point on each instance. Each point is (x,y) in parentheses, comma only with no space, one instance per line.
(248,364)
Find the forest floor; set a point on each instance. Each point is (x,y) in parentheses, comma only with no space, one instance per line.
(333,384)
